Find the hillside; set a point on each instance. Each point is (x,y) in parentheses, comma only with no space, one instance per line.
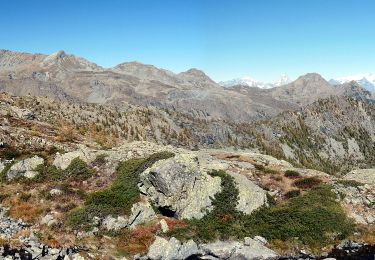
(69,78)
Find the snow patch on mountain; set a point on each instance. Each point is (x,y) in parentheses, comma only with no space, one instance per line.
(366,80)
(251,82)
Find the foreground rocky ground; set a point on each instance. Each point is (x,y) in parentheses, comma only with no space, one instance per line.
(151,201)
(69,192)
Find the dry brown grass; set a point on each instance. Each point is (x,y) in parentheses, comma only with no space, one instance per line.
(26,211)
(138,241)
(66,132)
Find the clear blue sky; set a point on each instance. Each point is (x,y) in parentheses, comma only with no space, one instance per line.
(225,38)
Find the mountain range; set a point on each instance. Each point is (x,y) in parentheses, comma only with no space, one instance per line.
(69,78)
(366,81)
(250,82)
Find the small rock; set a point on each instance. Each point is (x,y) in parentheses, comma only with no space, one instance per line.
(141,213)
(25,168)
(111,223)
(55,192)
(164,226)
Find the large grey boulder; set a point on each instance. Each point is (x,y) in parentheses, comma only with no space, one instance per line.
(253,249)
(178,186)
(21,113)
(25,168)
(62,161)
(163,249)
(141,213)
(250,249)
(172,249)
(251,196)
(220,249)
(361,175)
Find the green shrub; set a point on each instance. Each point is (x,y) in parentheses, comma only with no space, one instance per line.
(349,183)
(48,173)
(79,219)
(292,194)
(270,171)
(307,183)
(100,160)
(3,173)
(78,170)
(123,193)
(292,174)
(313,218)
(10,154)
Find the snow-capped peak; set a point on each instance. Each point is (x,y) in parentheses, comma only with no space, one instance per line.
(283,80)
(366,80)
(244,81)
(251,82)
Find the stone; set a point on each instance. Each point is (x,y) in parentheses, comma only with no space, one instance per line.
(141,212)
(171,251)
(179,188)
(260,239)
(157,248)
(25,168)
(48,220)
(164,226)
(251,196)
(220,249)
(22,113)
(362,175)
(110,223)
(253,249)
(62,161)
(162,249)
(55,192)
(188,249)
(2,166)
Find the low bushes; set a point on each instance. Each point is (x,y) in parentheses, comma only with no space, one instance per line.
(292,194)
(307,183)
(349,183)
(78,170)
(292,174)
(117,199)
(315,218)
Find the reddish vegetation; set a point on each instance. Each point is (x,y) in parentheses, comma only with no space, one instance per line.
(138,241)
(175,223)
(26,211)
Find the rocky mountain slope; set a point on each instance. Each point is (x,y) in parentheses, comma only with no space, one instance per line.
(69,78)
(334,134)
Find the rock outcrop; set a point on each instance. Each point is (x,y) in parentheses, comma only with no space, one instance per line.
(163,249)
(179,188)
(362,175)
(62,161)
(141,213)
(25,168)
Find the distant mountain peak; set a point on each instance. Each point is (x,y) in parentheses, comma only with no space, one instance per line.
(365,80)
(251,82)
(196,75)
(283,80)
(312,77)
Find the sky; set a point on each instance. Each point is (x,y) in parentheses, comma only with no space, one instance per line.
(224,38)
